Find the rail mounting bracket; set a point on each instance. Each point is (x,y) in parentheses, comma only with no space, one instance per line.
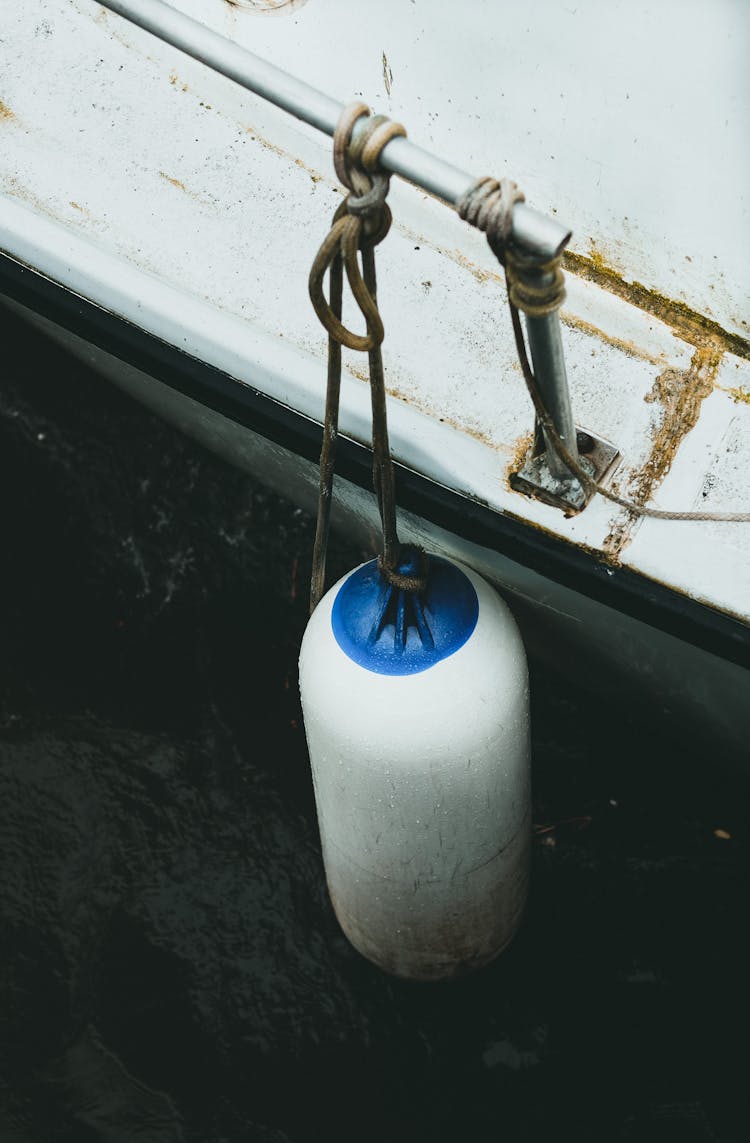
(535,478)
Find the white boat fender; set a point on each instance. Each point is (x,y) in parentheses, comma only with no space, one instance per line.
(416,716)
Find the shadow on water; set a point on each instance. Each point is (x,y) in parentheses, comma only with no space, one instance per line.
(171,967)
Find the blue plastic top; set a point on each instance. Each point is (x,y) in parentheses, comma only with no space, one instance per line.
(394,632)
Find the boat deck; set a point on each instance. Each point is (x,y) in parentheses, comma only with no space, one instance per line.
(147,184)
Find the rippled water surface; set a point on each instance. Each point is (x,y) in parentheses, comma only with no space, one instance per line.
(171,968)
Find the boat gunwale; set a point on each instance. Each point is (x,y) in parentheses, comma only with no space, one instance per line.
(556,558)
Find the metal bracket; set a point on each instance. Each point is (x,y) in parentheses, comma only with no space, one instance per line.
(544,474)
(536,478)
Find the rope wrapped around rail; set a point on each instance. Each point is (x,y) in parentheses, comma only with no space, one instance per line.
(488,205)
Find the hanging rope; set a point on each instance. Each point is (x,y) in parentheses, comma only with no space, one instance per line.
(361,221)
(488,205)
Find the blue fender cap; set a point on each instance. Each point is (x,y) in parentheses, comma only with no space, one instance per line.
(394,632)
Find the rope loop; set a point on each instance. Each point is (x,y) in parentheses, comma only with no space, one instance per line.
(342,140)
(368,181)
(356,160)
(370,202)
(361,221)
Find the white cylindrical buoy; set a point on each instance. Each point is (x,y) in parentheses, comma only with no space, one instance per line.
(416,715)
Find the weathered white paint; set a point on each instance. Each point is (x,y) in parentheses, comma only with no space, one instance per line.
(163,192)
(422,786)
(627,118)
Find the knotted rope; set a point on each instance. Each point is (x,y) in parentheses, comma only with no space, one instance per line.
(361,222)
(488,204)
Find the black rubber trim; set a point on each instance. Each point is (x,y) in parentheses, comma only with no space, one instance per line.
(620,588)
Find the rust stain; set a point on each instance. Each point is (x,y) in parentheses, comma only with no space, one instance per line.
(207,201)
(387,75)
(680,394)
(481,273)
(256,137)
(628,347)
(16,189)
(473,431)
(82,210)
(739,395)
(477,272)
(520,451)
(174,182)
(315,176)
(175,80)
(5,111)
(599,261)
(688,324)
(360,374)
(113,31)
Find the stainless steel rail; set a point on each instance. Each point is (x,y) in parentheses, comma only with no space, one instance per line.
(537,233)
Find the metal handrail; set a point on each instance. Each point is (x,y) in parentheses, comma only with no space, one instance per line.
(533,230)
(541,236)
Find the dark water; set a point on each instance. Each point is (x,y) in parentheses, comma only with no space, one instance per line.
(171,969)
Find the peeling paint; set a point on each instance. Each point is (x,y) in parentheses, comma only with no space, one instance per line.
(5,111)
(680,394)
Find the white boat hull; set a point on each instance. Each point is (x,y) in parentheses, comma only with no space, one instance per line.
(165,221)
(606,650)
